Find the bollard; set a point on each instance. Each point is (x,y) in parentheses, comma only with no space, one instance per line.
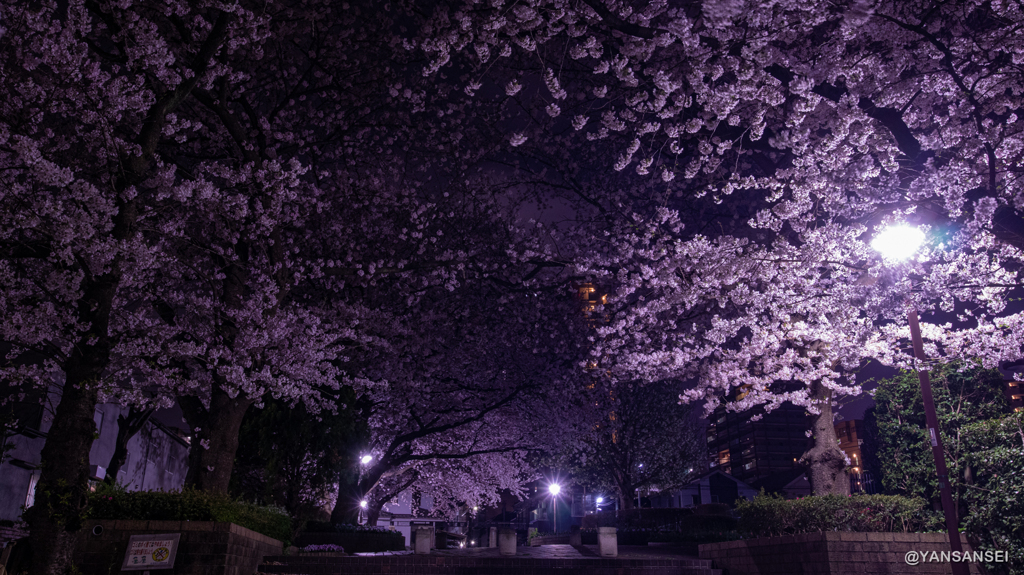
(575,537)
(492,537)
(507,541)
(607,542)
(424,535)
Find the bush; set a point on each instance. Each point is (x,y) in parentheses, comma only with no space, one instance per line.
(769,516)
(625,536)
(661,518)
(114,502)
(996,517)
(354,538)
(695,536)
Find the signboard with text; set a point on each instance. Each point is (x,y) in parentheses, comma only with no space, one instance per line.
(151,552)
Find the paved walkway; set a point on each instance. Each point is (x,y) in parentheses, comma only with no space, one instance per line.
(570,552)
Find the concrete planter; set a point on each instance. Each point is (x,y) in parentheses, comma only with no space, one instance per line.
(205,547)
(424,537)
(507,541)
(607,542)
(832,552)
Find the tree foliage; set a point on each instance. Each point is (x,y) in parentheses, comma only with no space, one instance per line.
(995,453)
(903,450)
(292,459)
(635,437)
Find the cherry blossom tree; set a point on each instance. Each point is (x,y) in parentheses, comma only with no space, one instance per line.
(456,405)
(817,125)
(634,437)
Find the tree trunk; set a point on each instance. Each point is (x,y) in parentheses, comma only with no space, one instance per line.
(127,428)
(62,491)
(373,514)
(211,456)
(61,495)
(346,508)
(625,493)
(825,462)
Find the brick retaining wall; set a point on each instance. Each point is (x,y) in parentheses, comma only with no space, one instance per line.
(830,553)
(205,548)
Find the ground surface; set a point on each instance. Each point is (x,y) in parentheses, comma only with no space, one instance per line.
(561,552)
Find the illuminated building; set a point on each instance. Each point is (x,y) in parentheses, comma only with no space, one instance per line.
(850,434)
(756,450)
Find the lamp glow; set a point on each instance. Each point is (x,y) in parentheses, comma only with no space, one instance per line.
(363,504)
(555,488)
(600,500)
(365,459)
(898,242)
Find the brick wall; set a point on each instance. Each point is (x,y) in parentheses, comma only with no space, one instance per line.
(830,553)
(205,548)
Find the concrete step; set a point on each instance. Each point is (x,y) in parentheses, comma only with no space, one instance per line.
(455,565)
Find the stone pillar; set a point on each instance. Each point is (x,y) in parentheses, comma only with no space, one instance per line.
(424,538)
(607,542)
(507,541)
(492,537)
(575,537)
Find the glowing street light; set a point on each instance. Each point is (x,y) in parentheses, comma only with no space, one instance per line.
(365,459)
(554,489)
(899,243)
(600,500)
(364,504)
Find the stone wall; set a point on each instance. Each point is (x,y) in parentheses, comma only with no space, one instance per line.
(830,554)
(205,548)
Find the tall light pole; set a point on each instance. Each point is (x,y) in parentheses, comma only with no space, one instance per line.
(554,489)
(899,243)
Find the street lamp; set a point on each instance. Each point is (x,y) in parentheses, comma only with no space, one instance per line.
(366,459)
(899,243)
(554,489)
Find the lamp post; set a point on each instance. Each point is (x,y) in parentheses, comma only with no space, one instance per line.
(554,489)
(900,243)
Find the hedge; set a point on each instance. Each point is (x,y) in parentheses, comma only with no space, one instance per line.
(769,516)
(625,536)
(354,538)
(114,502)
(659,518)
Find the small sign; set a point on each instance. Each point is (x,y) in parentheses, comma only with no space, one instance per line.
(151,552)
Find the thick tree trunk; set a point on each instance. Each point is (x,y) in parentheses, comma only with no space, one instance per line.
(127,428)
(62,491)
(626,492)
(211,455)
(373,514)
(825,462)
(346,508)
(61,495)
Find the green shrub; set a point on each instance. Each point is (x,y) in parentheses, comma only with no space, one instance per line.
(713,509)
(661,518)
(695,536)
(996,517)
(769,516)
(114,502)
(625,536)
(354,538)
